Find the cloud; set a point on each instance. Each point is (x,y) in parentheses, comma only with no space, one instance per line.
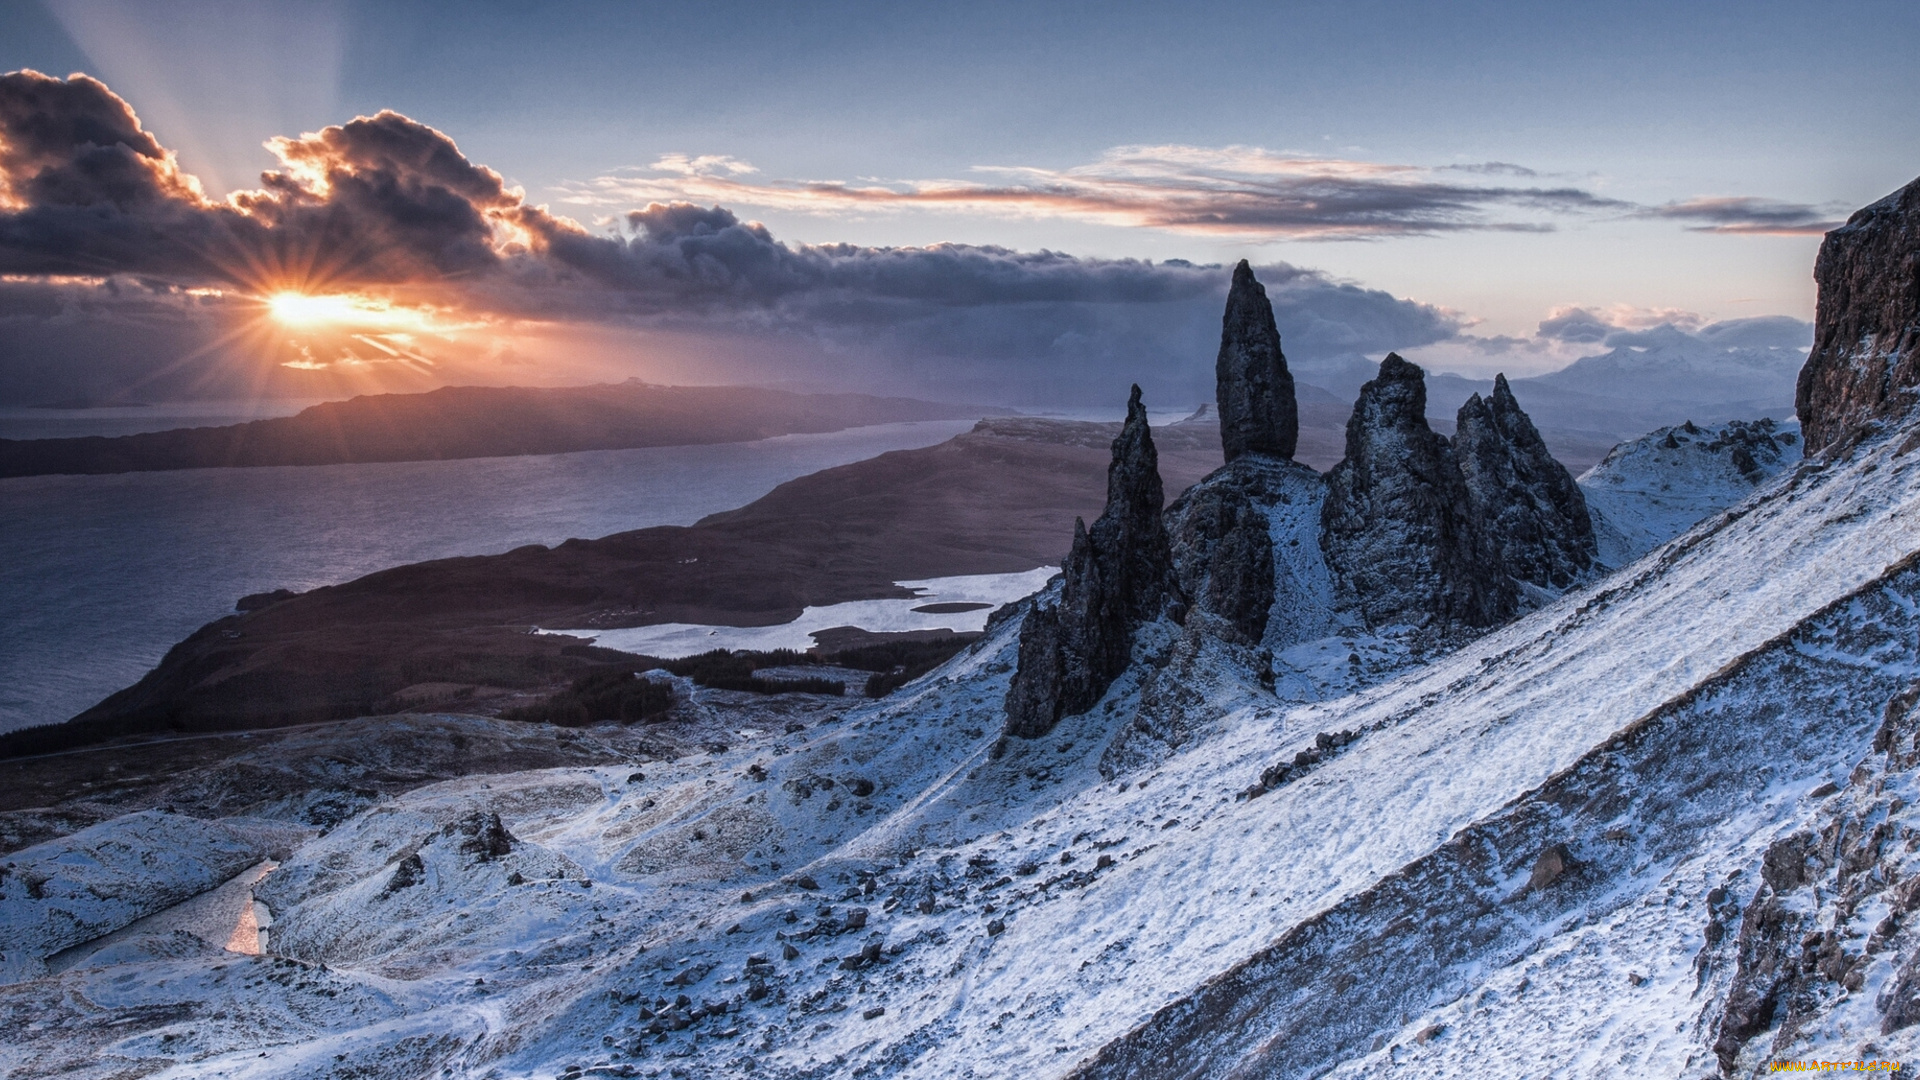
(97,217)
(84,189)
(1762,332)
(1570,334)
(390,211)
(1242,191)
(1574,324)
(1747,216)
(1234,190)
(1626,325)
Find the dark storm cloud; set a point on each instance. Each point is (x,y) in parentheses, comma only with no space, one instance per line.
(386,200)
(1747,215)
(157,271)
(85,190)
(980,321)
(681,256)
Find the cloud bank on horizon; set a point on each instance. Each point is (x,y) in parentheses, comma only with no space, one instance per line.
(121,277)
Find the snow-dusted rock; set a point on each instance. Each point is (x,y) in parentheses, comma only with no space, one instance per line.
(1528,512)
(1223,545)
(1397,527)
(1118,575)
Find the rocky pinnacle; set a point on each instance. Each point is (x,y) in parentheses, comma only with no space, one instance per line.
(1397,526)
(1523,503)
(1117,576)
(1258,414)
(1865,362)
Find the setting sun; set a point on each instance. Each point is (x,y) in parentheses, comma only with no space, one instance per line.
(299,309)
(350,311)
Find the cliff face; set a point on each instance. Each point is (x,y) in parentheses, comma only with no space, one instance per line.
(1117,576)
(1865,362)
(1397,526)
(1529,513)
(1258,413)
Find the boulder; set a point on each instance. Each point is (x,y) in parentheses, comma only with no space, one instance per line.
(1865,363)
(1258,413)
(483,836)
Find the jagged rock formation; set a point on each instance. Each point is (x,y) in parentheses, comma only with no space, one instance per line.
(1258,413)
(1223,551)
(1397,526)
(1531,516)
(1800,946)
(1118,575)
(1865,362)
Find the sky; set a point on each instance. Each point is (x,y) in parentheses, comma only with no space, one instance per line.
(1010,200)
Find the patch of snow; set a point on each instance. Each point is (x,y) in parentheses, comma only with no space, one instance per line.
(80,887)
(670,641)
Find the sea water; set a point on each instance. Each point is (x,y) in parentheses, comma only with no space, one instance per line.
(99,575)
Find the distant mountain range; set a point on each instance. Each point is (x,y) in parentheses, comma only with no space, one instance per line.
(1737,370)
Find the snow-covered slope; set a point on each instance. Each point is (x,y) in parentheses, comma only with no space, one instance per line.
(1648,490)
(80,887)
(1509,851)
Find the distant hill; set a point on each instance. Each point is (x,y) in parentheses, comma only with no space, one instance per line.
(999,499)
(477,421)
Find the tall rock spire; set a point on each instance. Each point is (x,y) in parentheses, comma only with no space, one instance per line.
(1130,527)
(1118,576)
(1258,414)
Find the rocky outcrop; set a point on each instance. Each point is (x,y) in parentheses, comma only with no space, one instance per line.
(1647,491)
(1865,362)
(1118,575)
(1528,512)
(1258,413)
(1796,951)
(483,836)
(1397,526)
(1223,553)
